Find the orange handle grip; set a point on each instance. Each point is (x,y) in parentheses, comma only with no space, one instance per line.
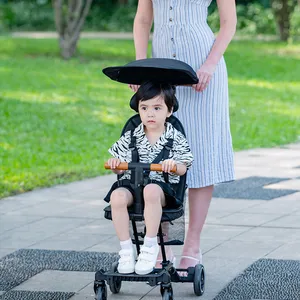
(153,167)
(121,166)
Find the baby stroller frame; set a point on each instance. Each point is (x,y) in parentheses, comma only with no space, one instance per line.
(168,273)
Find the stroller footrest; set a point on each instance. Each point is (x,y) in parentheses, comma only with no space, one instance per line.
(153,278)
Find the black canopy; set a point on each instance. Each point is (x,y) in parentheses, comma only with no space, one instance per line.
(161,70)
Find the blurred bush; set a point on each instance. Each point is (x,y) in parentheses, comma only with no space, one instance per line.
(252,19)
(295,25)
(37,15)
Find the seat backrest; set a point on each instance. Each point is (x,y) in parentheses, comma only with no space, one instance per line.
(135,121)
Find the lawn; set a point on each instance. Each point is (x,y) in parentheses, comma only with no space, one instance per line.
(59,118)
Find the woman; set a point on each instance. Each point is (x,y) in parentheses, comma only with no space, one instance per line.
(181,32)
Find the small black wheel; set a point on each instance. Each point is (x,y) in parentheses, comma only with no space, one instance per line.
(199,280)
(167,295)
(115,286)
(101,293)
(166,292)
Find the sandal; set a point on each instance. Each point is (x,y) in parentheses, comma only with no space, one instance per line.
(197,261)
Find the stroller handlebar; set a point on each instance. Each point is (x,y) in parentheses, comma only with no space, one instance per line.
(131,166)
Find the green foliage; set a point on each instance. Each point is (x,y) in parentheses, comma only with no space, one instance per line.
(37,15)
(58,118)
(295,25)
(22,15)
(254,18)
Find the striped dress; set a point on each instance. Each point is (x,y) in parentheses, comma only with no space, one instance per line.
(181,32)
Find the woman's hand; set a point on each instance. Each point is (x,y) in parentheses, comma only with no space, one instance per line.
(167,165)
(204,74)
(134,87)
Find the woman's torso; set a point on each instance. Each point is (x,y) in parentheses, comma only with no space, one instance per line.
(181,30)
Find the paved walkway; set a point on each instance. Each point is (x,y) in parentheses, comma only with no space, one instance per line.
(255,219)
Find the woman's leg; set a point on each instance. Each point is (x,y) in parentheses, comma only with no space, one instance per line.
(199,201)
(120,199)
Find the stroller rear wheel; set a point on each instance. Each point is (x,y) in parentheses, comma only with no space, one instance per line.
(199,280)
(116,284)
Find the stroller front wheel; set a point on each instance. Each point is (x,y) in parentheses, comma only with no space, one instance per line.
(116,283)
(101,293)
(166,292)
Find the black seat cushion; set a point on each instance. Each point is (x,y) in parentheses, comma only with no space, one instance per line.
(169,214)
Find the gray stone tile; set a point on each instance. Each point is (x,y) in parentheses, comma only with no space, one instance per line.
(219,272)
(293,184)
(292,198)
(60,281)
(11,204)
(6,251)
(38,231)
(129,290)
(21,239)
(287,251)
(90,209)
(215,215)
(53,225)
(111,244)
(242,249)
(285,222)
(8,221)
(77,242)
(232,205)
(99,227)
(246,219)
(222,232)
(56,207)
(261,234)
(276,206)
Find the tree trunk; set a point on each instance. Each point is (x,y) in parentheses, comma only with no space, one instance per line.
(282,10)
(69,18)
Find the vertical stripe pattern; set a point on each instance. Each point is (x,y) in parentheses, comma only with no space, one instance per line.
(181,32)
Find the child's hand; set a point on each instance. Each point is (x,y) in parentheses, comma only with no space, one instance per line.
(168,165)
(113,162)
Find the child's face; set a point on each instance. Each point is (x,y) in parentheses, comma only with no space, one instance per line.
(153,112)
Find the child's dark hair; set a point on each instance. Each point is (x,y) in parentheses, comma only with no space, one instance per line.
(149,90)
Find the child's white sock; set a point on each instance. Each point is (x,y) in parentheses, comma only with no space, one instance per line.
(126,244)
(149,242)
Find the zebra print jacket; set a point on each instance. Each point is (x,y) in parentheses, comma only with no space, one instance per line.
(180,151)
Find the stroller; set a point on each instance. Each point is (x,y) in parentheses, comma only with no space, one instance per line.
(176,72)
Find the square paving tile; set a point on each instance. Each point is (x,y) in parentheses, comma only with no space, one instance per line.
(285,222)
(246,219)
(60,281)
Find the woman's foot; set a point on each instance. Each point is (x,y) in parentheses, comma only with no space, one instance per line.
(187,261)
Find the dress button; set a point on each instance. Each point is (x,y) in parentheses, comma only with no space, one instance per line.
(174,55)
(172,39)
(171,7)
(170,19)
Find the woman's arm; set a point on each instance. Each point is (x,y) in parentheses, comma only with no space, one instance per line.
(228,20)
(142,26)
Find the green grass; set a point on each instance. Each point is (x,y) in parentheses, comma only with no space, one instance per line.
(58,118)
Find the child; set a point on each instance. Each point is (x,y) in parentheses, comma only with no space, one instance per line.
(154,103)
